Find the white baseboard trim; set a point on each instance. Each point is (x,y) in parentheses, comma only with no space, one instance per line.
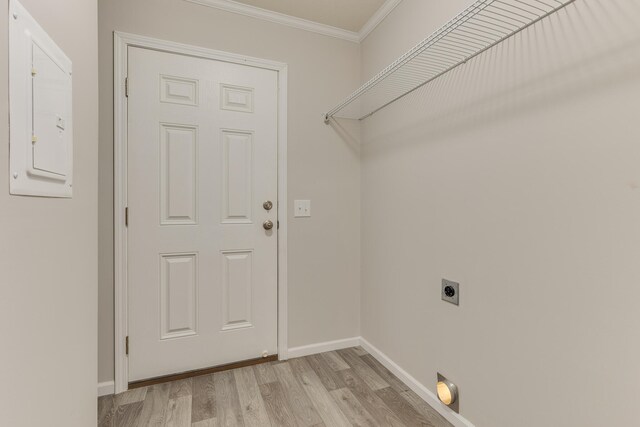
(307,350)
(456,419)
(106,388)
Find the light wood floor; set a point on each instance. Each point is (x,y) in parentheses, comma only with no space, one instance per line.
(342,388)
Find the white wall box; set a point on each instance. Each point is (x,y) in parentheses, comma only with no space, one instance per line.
(40,88)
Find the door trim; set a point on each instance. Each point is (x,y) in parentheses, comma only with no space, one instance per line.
(121,42)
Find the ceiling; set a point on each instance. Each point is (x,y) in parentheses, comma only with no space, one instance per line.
(349,15)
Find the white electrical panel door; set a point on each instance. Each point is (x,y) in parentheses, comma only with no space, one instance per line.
(40,92)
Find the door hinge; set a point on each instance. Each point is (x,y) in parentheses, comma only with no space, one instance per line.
(126,87)
(126,216)
(126,345)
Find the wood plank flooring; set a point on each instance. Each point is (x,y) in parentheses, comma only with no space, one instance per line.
(339,388)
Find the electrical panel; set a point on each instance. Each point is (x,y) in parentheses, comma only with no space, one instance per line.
(40,117)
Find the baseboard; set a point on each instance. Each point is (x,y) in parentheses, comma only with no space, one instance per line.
(456,419)
(106,388)
(307,350)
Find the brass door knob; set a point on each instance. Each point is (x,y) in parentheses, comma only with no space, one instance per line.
(268,224)
(268,205)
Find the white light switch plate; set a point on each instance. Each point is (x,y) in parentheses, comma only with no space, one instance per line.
(302,208)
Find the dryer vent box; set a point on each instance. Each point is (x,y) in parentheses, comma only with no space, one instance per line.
(40,117)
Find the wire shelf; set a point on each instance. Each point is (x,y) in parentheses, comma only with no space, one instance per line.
(478,28)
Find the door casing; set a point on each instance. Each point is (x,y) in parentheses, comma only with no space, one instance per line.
(121,43)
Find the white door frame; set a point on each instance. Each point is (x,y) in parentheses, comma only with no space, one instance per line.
(121,43)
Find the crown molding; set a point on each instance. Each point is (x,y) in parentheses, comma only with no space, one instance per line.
(377,18)
(280,18)
(303,24)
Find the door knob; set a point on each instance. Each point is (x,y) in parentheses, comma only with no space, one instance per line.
(268,205)
(268,224)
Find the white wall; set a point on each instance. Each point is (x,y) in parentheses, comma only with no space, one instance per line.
(48,255)
(517,175)
(323,164)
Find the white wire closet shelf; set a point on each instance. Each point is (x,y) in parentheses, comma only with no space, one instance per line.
(476,29)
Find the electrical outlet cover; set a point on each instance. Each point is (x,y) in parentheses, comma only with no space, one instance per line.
(450,291)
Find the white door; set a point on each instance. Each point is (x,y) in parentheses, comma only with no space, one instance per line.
(202,159)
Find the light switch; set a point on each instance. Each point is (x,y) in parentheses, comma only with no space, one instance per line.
(302,208)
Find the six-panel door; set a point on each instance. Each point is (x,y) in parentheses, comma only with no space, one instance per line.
(202,159)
